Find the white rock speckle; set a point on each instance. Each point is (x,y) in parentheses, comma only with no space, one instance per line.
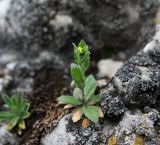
(108,67)
(59,136)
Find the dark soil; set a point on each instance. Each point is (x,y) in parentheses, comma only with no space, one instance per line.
(49,84)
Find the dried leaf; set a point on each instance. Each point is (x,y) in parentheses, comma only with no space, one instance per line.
(85,123)
(68,106)
(76,114)
(101,115)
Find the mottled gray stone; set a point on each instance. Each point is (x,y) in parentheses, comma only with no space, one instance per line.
(136,85)
(130,103)
(31,30)
(59,136)
(69,133)
(133,124)
(53,25)
(6,138)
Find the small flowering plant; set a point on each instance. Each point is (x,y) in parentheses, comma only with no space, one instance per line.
(17,111)
(83,99)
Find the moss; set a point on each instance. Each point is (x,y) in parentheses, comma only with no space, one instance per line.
(112,140)
(139,140)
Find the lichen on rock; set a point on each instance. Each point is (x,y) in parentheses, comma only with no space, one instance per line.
(32,31)
(136,88)
(136,84)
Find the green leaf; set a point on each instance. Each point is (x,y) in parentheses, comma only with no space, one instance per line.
(7,101)
(91,113)
(86,61)
(6,115)
(26,106)
(93,100)
(82,53)
(18,106)
(83,45)
(21,124)
(69,100)
(76,54)
(77,75)
(13,123)
(90,87)
(25,115)
(14,104)
(77,93)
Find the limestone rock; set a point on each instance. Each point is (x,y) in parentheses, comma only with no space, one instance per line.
(130,103)
(54,25)
(6,138)
(108,67)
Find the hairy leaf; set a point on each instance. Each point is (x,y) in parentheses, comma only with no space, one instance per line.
(77,75)
(91,113)
(76,54)
(69,100)
(77,93)
(94,99)
(86,61)
(90,87)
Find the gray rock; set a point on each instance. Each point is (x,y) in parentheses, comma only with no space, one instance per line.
(59,136)
(133,124)
(31,33)
(136,83)
(112,104)
(20,71)
(6,138)
(54,25)
(130,103)
(108,67)
(153,114)
(69,133)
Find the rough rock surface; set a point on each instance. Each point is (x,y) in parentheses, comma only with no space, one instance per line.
(6,138)
(59,133)
(52,24)
(18,72)
(108,67)
(136,85)
(133,125)
(130,103)
(69,134)
(32,29)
